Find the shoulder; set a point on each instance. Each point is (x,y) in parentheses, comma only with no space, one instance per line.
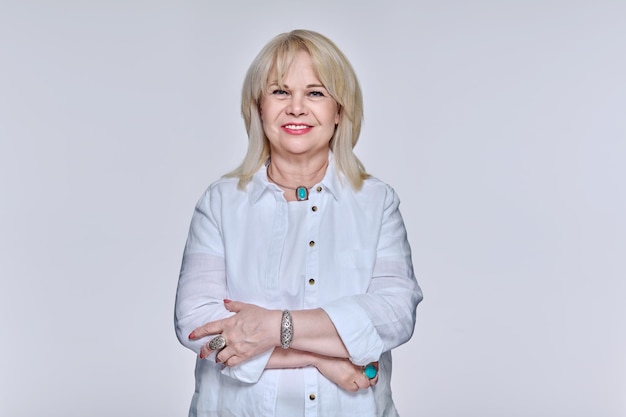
(224,185)
(224,189)
(374,188)
(375,196)
(374,183)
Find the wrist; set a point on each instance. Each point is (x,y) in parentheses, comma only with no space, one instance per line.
(314,359)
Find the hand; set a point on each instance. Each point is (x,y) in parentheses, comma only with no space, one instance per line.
(250,332)
(345,374)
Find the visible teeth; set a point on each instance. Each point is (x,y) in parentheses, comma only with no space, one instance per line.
(296,127)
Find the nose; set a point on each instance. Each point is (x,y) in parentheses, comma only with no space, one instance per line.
(297,105)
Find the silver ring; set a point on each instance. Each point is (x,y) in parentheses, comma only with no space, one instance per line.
(217,343)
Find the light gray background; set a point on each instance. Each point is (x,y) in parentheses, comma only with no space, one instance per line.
(500,123)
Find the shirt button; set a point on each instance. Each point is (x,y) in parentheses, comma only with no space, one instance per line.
(314,208)
(311,281)
(319,188)
(311,397)
(311,243)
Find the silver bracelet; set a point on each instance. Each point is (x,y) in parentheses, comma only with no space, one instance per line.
(286,330)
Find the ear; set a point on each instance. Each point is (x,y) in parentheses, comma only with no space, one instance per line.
(338,115)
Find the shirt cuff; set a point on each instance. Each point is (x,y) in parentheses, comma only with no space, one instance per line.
(251,370)
(356,330)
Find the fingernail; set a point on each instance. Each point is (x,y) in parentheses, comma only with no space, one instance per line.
(201,355)
(192,335)
(226,301)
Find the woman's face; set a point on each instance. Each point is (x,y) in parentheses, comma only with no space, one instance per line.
(299,118)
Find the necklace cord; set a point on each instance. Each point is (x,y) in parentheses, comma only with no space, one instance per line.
(281,185)
(302,192)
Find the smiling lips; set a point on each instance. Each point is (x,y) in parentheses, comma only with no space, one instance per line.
(296,129)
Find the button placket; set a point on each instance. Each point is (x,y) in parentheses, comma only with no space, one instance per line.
(311,390)
(316,201)
(312,266)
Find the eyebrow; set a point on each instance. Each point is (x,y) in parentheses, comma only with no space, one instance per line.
(308,86)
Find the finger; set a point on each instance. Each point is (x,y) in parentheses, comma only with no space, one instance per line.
(350,386)
(223,355)
(233,306)
(205,351)
(362,382)
(213,327)
(233,361)
(374,381)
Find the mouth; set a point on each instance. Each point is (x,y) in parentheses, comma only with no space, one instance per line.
(296,126)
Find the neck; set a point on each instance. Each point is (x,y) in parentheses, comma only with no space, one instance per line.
(292,174)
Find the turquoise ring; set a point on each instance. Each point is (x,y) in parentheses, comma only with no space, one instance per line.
(370,371)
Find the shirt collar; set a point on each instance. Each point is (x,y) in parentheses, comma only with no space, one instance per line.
(331,182)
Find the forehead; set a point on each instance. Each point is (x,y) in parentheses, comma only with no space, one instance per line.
(283,62)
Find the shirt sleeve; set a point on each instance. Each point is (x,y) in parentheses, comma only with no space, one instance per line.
(383,317)
(202,287)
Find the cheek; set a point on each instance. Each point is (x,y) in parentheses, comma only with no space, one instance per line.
(269,112)
(266,120)
(264,108)
(336,113)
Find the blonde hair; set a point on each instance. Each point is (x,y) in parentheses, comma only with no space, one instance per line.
(336,74)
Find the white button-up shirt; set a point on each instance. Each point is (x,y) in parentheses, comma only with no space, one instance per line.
(342,250)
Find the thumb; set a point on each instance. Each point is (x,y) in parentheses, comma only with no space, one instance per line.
(233,306)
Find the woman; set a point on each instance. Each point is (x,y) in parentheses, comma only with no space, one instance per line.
(311,250)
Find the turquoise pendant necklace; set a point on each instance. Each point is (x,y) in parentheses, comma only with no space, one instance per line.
(302,192)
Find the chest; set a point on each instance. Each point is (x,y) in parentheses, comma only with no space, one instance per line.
(311,253)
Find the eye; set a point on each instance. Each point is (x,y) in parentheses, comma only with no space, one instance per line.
(279,92)
(316,94)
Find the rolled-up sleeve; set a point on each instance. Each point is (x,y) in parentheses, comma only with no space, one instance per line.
(383,317)
(202,287)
